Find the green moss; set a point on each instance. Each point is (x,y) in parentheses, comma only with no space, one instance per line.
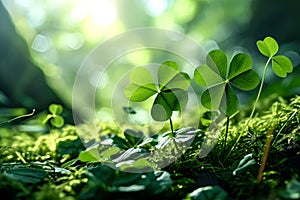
(282,118)
(56,152)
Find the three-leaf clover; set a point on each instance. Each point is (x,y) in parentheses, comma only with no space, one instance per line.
(171,89)
(55,119)
(219,78)
(281,65)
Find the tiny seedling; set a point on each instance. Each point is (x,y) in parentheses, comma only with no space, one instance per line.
(55,119)
(171,90)
(219,78)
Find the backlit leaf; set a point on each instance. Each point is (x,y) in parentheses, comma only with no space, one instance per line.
(239,64)
(217,60)
(141,76)
(180,81)
(246,81)
(268,47)
(229,103)
(109,152)
(138,93)
(166,72)
(57,121)
(281,65)
(90,155)
(204,75)
(220,95)
(166,102)
(171,96)
(211,98)
(140,164)
(141,85)
(55,109)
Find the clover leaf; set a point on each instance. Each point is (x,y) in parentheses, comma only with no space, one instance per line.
(281,65)
(55,109)
(55,119)
(219,78)
(171,89)
(268,47)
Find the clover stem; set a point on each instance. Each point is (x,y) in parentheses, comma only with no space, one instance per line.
(254,105)
(259,91)
(171,125)
(226,133)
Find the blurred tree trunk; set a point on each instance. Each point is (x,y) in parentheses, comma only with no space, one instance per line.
(21,81)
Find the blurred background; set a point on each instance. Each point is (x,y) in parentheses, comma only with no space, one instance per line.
(43,43)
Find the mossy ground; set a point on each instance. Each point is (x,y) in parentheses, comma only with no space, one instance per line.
(56,153)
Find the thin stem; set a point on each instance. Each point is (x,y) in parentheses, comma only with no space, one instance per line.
(256,101)
(226,133)
(21,157)
(13,119)
(265,155)
(173,137)
(281,129)
(259,91)
(171,125)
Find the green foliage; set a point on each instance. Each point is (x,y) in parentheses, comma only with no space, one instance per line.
(292,190)
(281,65)
(237,170)
(219,78)
(93,154)
(244,164)
(55,119)
(268,47)
(208,193)
(171,94)
(26,175)
(132,154)
(55,163)
(107,183)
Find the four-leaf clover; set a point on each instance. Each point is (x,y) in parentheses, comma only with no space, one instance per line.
(219,78)
(171,89)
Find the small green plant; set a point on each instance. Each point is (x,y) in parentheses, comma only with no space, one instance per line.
(219,78)
(171,90)
(281,65)
(57,166)
(55,119)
